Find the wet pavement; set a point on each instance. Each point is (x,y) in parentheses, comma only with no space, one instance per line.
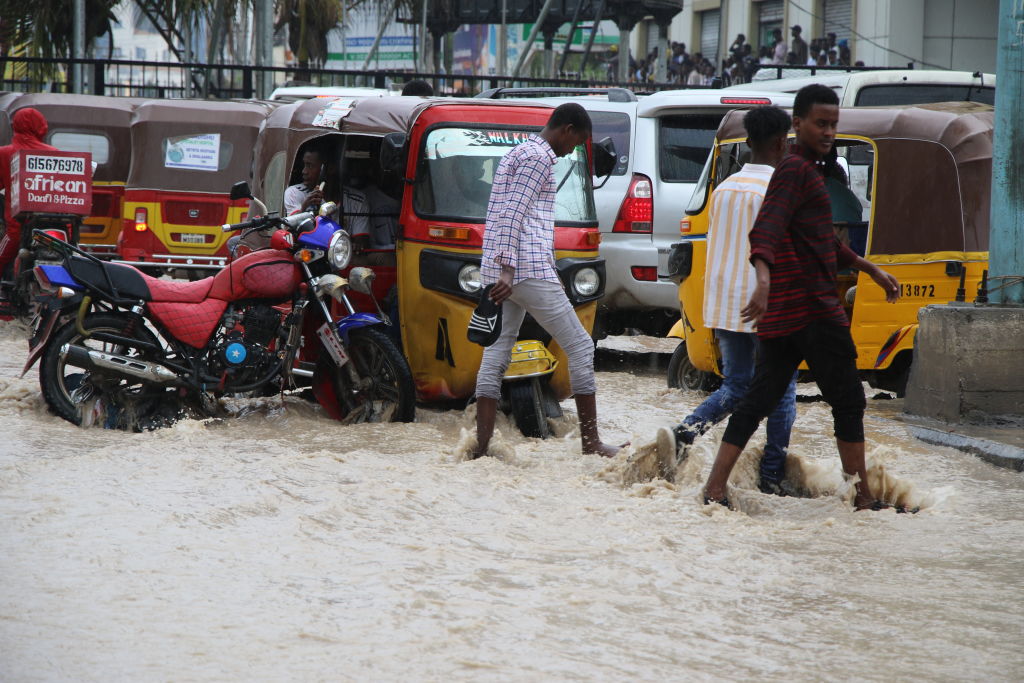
(278,545)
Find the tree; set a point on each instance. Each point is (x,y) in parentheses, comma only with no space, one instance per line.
(45,28)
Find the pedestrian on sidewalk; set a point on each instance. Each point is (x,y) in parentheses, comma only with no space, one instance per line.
(729,281)
(796,302)
(518,259)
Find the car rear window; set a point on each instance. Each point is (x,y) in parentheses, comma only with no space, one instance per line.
(684,142)
(922,93)
(614,125)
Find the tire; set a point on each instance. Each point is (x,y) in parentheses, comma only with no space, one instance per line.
(528,408)
(70,391)
(683,375)
(386,392)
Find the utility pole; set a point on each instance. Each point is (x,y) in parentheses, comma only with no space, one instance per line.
(78,47)
(532,37)
(503,41)
(424,65)
(1006,231)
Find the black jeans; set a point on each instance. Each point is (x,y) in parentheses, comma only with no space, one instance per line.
(832,358)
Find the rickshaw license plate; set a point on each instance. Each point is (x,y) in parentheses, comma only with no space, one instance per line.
(330,339)
(193,238)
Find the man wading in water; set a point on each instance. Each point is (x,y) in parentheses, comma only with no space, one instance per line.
(518,257)
(796,305)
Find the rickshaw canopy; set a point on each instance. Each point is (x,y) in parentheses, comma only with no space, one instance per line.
(933,173)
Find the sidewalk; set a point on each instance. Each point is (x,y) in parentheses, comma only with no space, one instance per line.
(1000,443)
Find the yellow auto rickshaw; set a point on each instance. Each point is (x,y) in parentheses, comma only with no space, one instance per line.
(435,159)
(922,176)
(100,126)
(185,155)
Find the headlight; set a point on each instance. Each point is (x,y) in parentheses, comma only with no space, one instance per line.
(469,278)
(327,208)
(339,252)
(586,281)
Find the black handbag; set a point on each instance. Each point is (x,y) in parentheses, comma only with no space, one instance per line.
(485,323)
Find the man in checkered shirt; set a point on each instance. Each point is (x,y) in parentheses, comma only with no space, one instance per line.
(518,258)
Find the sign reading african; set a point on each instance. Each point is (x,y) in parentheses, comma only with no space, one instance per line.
(51,182)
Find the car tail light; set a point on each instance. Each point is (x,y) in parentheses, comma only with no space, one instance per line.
(645,273)
(141,220)
(684,226)
(746,100)
(637,211)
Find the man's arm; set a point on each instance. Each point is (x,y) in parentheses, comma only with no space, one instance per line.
(758,304)
(530,175)
(889,284)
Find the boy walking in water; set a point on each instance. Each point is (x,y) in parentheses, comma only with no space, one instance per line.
(518,258)
(728,283)
(796,304)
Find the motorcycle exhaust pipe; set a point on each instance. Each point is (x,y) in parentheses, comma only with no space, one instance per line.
(122,366)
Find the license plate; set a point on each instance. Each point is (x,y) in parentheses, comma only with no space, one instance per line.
(330,339)
(193,238)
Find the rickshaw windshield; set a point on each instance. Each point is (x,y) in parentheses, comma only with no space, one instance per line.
(453,180)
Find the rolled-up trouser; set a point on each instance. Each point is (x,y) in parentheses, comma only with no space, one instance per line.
(549,306)
(831,357)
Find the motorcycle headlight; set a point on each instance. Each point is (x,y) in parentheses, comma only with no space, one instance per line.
(469,278)
(339,252)
(586,281)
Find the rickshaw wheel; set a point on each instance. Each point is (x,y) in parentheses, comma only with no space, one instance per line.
(682,374)
(386,392)
(529,408)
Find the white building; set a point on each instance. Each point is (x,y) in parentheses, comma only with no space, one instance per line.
(933,34)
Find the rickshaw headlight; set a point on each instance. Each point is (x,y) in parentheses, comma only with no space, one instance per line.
(586,281)
(339,252)
(469,278)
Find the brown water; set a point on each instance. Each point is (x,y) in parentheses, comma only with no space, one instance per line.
(281,546)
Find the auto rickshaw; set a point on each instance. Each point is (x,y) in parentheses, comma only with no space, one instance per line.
(437,158)
(100,126)
(922,175)
(186,154)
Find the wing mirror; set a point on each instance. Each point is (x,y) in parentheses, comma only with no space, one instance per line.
(393,153)
(604,157)
(240,190)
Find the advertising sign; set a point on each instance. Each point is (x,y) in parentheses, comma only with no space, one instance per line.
(51,182)
(194,152)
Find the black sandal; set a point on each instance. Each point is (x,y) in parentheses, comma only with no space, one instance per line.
(724,502)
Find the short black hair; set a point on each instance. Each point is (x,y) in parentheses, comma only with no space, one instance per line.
(570,114)
(419,88)
(765,123)
(810,95)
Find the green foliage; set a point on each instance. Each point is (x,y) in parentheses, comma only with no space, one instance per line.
(44,28)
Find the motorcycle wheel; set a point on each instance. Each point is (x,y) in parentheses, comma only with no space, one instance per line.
(385,392)
(75,394)
(529,408)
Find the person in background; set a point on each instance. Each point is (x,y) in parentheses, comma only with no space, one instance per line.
(798,45)
(728,282)
(518,260)
(795,303)
(815,50)
(779,47)
(417,88)
(736,49)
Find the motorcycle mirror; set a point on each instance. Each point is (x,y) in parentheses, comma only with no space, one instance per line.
(240,190)
(393,153)
(360,279)
(604,157)
(327,208)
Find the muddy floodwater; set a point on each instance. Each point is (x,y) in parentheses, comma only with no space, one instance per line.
(278,545)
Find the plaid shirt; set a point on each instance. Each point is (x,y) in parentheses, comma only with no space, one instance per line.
(794,235)
(520,226)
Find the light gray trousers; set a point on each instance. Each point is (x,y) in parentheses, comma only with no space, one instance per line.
(549,306)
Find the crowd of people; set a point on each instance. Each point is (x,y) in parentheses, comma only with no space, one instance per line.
(741,61)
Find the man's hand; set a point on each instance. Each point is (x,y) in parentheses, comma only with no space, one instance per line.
(758,304)
(314,197)
(889,284)
(502,289)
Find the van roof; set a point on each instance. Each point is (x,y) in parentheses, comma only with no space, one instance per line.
(859,79)
(293,93)
(716,98)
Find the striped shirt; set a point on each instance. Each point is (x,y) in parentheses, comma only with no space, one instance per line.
(730,278)
(794,235)
(520,225)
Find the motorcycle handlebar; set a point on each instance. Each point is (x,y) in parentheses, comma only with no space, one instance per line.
(257,222)
(293,221)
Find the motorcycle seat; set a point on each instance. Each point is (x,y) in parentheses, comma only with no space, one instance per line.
(128,283)
(178,291)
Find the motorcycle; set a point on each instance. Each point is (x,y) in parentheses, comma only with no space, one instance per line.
(128,351)
(18,287)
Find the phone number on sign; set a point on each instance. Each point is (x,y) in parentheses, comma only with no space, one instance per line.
(39,164)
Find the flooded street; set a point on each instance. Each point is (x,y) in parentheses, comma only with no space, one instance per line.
(282,546)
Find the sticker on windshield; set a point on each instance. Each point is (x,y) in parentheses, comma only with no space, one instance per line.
(194,152)
(447,142)
(329,116)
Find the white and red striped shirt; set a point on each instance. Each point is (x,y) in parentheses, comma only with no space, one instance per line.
(729,278)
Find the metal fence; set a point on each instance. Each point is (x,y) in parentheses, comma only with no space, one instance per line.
(227,81)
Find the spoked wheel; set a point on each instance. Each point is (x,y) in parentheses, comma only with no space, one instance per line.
(532,402)
(384,391)
(682,374)
(87,397)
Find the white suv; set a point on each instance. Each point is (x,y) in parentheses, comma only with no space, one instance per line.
(662,141)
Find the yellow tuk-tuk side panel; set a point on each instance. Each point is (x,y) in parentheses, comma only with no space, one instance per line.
(700,341)
(103,230)
(677,330)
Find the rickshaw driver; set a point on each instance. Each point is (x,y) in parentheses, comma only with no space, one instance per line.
(796,305)
(302,196)
(518,259)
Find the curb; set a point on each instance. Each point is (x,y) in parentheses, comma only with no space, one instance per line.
(999,454)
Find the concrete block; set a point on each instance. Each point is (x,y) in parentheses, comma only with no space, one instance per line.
(968,363)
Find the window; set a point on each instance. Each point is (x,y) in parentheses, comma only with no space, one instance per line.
(94,143)
(684,144)
(614,125)
(922,93)
(274,183)
(455,173)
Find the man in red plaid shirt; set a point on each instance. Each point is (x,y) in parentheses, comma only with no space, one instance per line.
(796,301)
